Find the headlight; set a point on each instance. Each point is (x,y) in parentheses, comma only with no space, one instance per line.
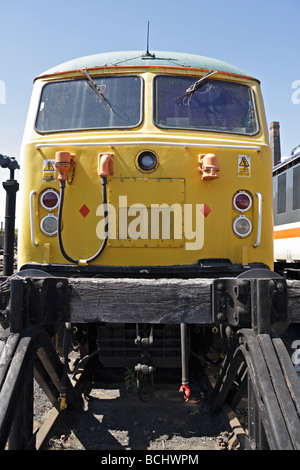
(242,226)
(147,161)
(49,224)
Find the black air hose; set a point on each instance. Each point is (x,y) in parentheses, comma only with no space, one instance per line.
(104,199)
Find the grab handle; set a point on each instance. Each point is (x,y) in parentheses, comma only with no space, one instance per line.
(33,193)
(259,197)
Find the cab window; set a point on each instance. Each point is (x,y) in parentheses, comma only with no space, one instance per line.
(214,106)
(112,102)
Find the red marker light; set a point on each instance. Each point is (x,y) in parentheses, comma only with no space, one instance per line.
(50,199)
(242,201)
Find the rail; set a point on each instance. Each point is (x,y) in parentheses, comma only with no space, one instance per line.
(259,197)
(32,234)
(149,142)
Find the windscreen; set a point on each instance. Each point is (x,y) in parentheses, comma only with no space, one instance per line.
(214,106)
(111,102)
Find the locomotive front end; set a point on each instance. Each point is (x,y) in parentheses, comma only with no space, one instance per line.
(152,166)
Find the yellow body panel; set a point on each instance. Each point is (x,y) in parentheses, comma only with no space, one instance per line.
(176,180)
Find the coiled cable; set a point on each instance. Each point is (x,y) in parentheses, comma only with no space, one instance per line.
(104,200)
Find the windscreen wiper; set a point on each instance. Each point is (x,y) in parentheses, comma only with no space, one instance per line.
(199,83)
(96,88)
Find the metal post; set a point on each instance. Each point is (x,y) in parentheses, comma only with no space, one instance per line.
(184,354)
(11,187)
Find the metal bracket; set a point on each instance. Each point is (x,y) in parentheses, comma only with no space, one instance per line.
(231,302)
(38,301)
(48,300)
(144,370)
(256,302)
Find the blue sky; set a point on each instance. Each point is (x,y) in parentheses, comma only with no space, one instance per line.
(260,36)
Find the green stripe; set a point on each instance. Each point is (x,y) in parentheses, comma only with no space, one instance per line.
(139,58)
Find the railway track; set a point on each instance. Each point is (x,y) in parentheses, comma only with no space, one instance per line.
(109,416)
(113,418)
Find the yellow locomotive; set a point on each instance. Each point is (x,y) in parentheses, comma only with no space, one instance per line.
(146,236)
(146,164)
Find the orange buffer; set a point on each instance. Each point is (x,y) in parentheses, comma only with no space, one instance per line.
(63,162)
(105,164)
(208,166)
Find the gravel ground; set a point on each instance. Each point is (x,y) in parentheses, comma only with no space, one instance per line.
(114,419)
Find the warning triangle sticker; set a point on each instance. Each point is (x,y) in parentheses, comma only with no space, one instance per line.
(244,162)
(49,166)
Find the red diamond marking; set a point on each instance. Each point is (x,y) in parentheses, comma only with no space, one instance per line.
(84,210)
(205,210)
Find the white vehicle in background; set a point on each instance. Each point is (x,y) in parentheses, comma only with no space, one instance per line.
(286,200)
